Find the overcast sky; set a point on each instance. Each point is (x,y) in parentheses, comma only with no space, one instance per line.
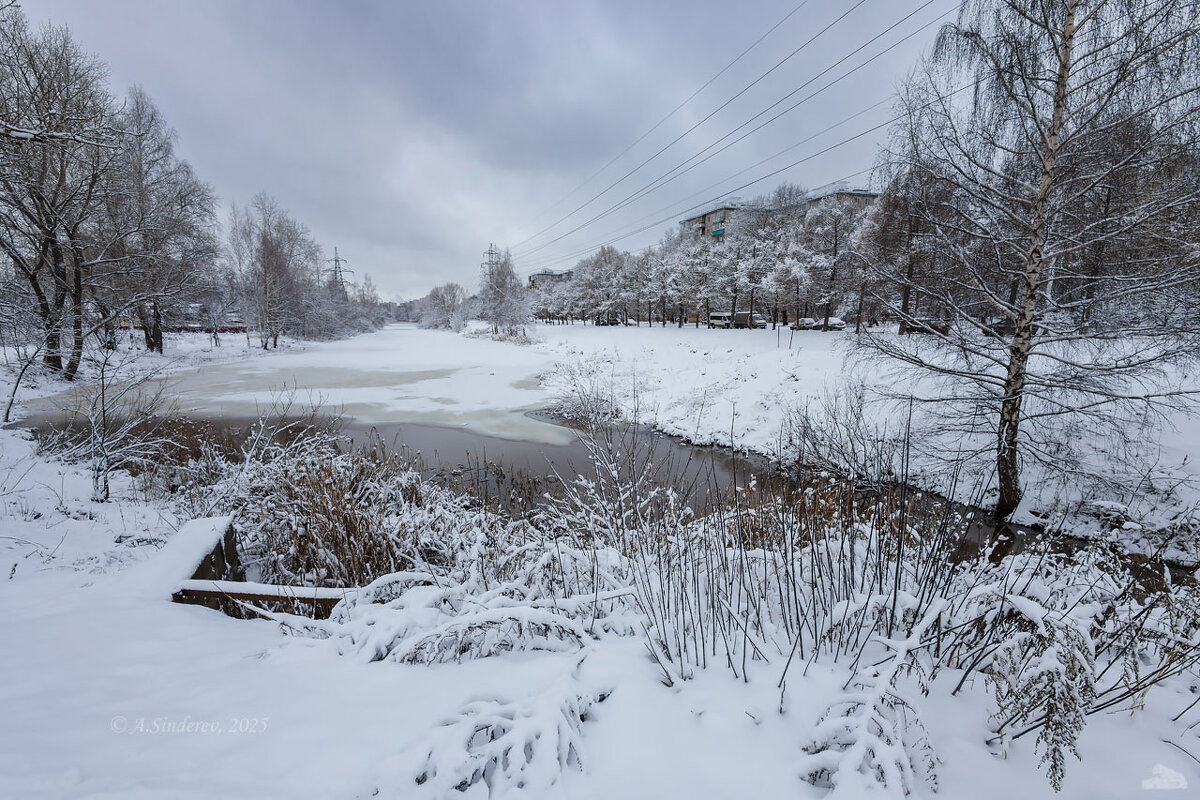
(410,135)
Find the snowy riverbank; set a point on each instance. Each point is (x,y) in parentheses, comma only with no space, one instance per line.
(744,388)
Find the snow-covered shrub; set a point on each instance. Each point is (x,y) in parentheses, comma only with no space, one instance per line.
(313,514)
(584,391)
(870,736)
(417,618)
(835,433)
(1061,637)
(505,747)
(116,422)
(1046,670)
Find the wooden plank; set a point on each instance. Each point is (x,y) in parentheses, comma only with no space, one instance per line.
(272,590)
(198,591)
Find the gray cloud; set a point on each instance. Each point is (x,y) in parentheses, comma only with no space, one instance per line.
(411,135)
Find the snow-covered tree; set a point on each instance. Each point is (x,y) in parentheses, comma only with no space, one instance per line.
(53,185)
(157,234)
(439,309)
(504,302)
(829,226)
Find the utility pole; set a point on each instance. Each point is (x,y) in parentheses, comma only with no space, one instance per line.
(339,272)
(489,282)
(493,255)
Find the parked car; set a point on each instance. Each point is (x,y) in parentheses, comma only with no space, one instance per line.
(928,325)
(833,324)
(804,324)
(720,319)
(744,319)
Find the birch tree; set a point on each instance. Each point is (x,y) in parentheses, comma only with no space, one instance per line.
(1064,210)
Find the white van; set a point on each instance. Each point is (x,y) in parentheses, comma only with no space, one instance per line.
(719,319)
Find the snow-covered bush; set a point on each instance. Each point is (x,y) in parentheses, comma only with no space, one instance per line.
(835,433)
(418,618)
(506,747)
(315,514)
(116,422)
(584,391)
(870,736)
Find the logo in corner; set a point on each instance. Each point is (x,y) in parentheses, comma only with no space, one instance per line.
(1165,778)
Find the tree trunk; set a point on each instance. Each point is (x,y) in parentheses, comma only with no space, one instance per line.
(53,316)
(858,314)
(1008,472)
(72,367)
(144,321)
(156,333)
(909,272)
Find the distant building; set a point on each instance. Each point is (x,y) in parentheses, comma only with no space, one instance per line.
(710,223)
(546,277)
(859,198)
(715,222)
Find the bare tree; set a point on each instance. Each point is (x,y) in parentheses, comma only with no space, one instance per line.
(157,236)
(53,180)
(279,263)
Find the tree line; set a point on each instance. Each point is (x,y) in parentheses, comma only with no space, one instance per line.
(784,255)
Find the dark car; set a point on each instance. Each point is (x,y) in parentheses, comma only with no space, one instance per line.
(744,319)
(804,324)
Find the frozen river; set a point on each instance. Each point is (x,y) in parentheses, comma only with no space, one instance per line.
(398,375)
(455,400)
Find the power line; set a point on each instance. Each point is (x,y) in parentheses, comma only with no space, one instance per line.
(667,177)
(670,114)
(677,139)
(775,172)
(761,178)
(744,170)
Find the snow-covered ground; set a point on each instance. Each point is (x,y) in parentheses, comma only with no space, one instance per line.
(712,386)
(110,690)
